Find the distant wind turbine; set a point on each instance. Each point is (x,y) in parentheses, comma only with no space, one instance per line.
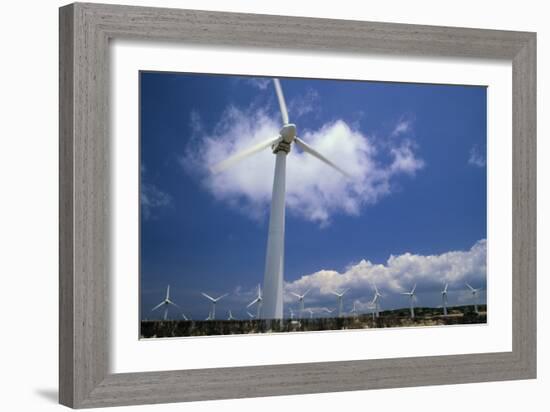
(301,301)
(444,299)
(327,310)
(376,301)
(212,315)
(340,301)
(291,313)
(474,295)
(310,311)
(280,145)
(411,296)
(230,316)
(258,302)
(354,309)
(166,303)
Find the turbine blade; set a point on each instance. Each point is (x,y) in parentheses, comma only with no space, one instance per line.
(232,160)
(307,291)
(158,306)
(251,303)
(168,292)
(308,149)
(222,296)
(471,288)
(208,297)
(174,304)
(281,98)
(413,289)
(295,294)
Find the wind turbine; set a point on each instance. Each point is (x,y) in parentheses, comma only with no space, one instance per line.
(372,307)
(411,296)
(339,301)
(444,299)
(301,301)
(274,260)
(310,311)
(230,316)
(376,301)
(474,295)
(354,309)
(212,315)
(291,313)
(329,311)
(258,301)
(166,303)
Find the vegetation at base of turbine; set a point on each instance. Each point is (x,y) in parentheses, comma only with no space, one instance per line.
(388,319)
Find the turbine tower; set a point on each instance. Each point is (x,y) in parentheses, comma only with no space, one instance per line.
(354,309)
(212,315)
(166,303)
(474,296)
(257,301)
(340,301)
(301,301)
(376,301)
(444,299)
(274,260)
(411,296)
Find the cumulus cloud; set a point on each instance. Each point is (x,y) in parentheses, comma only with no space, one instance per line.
(314,191)
(398,274)
(476,157)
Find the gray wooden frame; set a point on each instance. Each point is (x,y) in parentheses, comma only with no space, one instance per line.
(85,31)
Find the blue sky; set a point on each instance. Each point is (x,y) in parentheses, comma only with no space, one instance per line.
(414,212)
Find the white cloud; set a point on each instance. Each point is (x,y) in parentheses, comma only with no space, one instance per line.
(399,273)
(152,198)
(314,191)
(403,126)
(259,82)
(476,157)
(303,104)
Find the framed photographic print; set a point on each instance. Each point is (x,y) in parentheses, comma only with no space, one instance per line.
(332,184)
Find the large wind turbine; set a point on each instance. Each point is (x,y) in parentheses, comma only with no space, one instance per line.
(212,315)
(411,299)
(474,295)
(444,299)
(258,301)
(274,260)
(301,301)
(166,303)
(376,301)
(340,301)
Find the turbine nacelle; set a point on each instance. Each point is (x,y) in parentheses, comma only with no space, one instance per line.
(288,132)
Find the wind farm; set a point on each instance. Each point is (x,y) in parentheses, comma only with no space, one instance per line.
(356,315)
(301,205)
